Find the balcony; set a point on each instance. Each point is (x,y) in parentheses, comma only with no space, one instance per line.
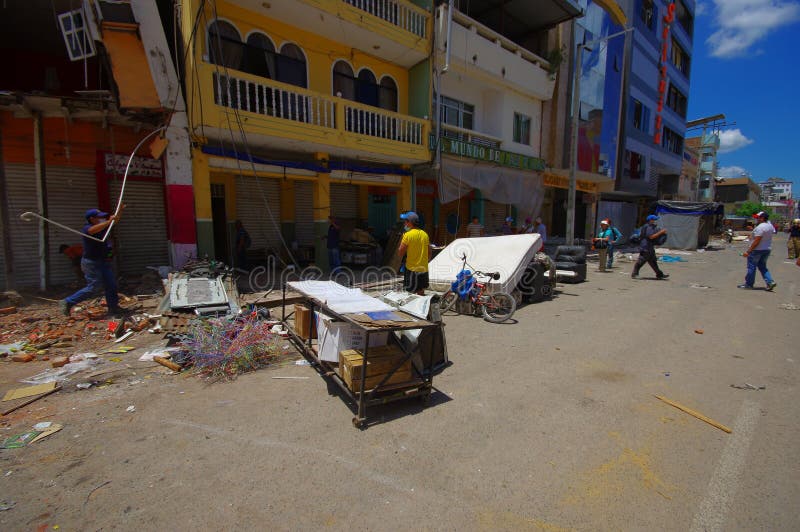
(280,115)
(471,136)
(481,53)
(394,30)
(707,167)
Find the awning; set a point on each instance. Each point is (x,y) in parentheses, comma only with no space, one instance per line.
(584,181)
(613,9)
(129,66)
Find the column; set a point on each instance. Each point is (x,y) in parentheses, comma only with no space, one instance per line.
(202,204)
(322,210)
(288,211)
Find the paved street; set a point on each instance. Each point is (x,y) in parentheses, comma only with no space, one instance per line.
(548,423)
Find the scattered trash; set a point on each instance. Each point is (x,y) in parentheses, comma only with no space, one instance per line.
(29,391)
(26,357)
(115,359)
(62,373)
(6,505)
(694,413)
(302,362)
(167,364)
(124,337)
(699,286)
(19,440)
(165,352)
(699,331)
(667,373)
(9,349)
(47,428)
(131,409)
(748,386)
(671,258)
(84,385)
(789,306)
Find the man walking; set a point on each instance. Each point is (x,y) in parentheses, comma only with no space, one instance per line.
(415,245)
(758,253)
(96,268)
(540,229)
(647,248)
(794,239)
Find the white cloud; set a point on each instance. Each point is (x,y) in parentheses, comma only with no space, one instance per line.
(732,140)
(700,9)
(742,23)
(732,171)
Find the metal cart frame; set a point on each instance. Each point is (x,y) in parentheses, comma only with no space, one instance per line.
(420,387)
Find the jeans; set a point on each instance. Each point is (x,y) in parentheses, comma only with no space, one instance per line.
(334,259)
(757,259)
(610,251)
(97,273)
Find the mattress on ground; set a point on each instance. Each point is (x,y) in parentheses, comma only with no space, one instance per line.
(506,255)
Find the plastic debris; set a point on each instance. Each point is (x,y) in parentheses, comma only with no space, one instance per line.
(6,505)
(747,386)
(302,362)
(131,409)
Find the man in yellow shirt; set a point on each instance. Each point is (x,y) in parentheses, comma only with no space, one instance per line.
(415,245)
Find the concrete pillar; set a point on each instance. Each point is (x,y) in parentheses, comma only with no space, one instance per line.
(322,210)
(202,204)
(404,195)
(363,203)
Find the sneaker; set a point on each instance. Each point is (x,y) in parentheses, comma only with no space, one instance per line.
(771,286)
(745,286)
(662,276)
(64,306)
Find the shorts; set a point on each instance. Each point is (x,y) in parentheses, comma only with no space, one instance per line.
(415,281)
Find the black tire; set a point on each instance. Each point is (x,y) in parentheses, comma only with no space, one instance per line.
(447,301)
(498,307)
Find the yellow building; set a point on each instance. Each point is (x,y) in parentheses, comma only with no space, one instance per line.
(300,110)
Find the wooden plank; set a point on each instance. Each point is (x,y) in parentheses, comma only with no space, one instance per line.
(694,413)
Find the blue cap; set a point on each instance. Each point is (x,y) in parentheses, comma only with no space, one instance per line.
(411,216)
(95,212)
(510,219)
(652,217)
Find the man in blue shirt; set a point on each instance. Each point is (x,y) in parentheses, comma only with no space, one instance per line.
(647,248)
(94,263)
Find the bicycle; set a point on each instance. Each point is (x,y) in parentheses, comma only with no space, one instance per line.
(496,307)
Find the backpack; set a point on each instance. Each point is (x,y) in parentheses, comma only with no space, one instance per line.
(660,240)
(636,237)
(617,236)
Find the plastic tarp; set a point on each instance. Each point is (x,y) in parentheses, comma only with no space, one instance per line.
(682,230)
(523,189)
(687,207)
(340,298)
(507,255)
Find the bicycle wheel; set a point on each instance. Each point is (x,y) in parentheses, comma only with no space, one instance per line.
(448,301)
(498,307)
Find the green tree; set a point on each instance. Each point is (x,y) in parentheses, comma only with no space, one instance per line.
(749,208)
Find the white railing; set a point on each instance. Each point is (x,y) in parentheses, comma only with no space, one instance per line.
(382,124)
(398,13)
(274,100)
(473,137)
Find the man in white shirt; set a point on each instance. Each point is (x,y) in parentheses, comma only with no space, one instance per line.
(758,253)
(475,229)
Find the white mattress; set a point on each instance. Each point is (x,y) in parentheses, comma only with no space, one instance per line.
(506,255)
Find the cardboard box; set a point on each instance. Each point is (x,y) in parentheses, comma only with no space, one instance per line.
(302,322)
(336,336)
(380,362)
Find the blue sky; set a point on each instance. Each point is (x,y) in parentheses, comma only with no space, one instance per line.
(745,65)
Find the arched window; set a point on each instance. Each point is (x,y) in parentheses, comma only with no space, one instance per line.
(387,97)
(292,65)
(224,45)
(344,83)
(260,56)
(367,88)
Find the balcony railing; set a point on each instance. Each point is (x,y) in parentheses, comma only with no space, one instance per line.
(473,137)
(400,14)
(279,100)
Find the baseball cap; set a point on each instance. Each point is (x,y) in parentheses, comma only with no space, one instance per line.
(95,212)
(652,217)
(604,222)
(411,216)
(761,214)
(509,219)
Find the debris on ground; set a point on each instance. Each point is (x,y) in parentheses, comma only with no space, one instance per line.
(39,432)
(694,413)
(699,286)
(748,386)
(699,331)
(789,306)
(29,391)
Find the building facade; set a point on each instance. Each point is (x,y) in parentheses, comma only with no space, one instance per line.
(733,192)
(776,193)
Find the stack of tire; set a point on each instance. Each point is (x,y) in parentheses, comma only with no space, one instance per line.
(534,286)
(571,259)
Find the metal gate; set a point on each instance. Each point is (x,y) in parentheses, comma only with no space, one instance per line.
(258,207)
(494,216)
(344,201)
(304,213)
(140,238)
(70,193)
(21,185)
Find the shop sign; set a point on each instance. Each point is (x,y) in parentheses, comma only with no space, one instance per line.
(140,166)
(662,71)
(487,154)
(557,181)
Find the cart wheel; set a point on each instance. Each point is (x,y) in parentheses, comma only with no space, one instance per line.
(358,423)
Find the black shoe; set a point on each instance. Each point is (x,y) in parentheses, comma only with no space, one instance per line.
(662,276)
(64,306)
(117,312)
(771,286)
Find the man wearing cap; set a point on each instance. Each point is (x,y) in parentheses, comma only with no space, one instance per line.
(605,245)
(507,228)
(540,229)
(415,245)
(647,249)
(793,245)
(96,269)
(758,253)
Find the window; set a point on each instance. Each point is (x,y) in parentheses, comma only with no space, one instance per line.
(680,59)
(676,100)
(344,82)
(79,43)
(259,58)
(522,129)
(291,65)
(225,45)
(684,17)
(456,113)
(387,97)
(634,165)
(367,88)
(640,115)
(648,13)
(672,141)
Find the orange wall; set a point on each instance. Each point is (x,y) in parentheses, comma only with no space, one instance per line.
(80,140)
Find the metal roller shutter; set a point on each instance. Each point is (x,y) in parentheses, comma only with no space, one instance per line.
(258,206)
(140,239)
(70,193)
(304,213)
(21,183)
(494,216)
(344,201)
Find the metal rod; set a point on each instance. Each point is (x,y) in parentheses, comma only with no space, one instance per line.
(41,198)
(446,66)
(573,149)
